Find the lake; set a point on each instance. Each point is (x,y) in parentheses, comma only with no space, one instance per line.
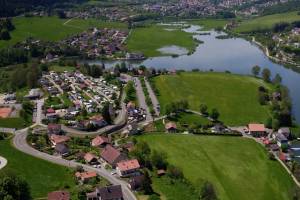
(235,55)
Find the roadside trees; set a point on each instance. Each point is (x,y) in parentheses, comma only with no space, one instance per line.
(203,109)
(214,114)
(266,74)
(256,70)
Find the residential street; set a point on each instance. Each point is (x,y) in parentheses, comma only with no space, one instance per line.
(20,143)
(153,97)
(141,98)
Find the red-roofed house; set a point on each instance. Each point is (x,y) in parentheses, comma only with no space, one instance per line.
(54,129)
(111,155)
(58,139)
(90,158)
(85,176)
(171,127)
(59,195)
(5,112)
(257,130)
(128,167)
(100,141)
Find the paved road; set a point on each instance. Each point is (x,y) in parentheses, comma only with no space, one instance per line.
(39,111)
(20,143)
(153,97)
(3,162)
(142,98)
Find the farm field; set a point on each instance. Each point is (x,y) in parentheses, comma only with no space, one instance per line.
(52,28)
(239,168)
(235,96)
(266,22)
(42,176)
(149,39)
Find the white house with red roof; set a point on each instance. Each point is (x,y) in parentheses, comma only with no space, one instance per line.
(257,130)
(128,167)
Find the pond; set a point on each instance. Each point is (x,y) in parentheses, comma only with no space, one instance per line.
(234,54)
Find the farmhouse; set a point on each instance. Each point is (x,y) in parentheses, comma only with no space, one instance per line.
(61,149)
(285,131)
(85,176)
(59,195)
(111,155)
(90,158)
(257,130)
(58,139)
(100,141)
(171,127)
(281,139)
(127,168)
(113,192)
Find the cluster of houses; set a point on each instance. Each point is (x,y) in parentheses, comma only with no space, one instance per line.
(84,94)
(98,42)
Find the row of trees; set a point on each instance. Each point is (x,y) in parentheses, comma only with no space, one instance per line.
(214,114)
(6,26)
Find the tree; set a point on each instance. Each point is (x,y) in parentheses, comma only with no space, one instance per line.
(255,70)
(142,152)
(146,184)
(214,114)
(266,74)
(4,35)
(159,160)
(277,79)
(106,113)
(13,187)
(175,172)
(203,109)
(208,192)
(275,124)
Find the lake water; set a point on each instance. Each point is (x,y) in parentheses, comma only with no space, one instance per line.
(235,54)
(173,50)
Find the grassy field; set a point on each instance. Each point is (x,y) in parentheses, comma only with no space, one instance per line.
(149,39)
(61,69)
(235,96)
(17,122)
(42,176)
(238,167)
(52,28)
(266,22)
(209,24)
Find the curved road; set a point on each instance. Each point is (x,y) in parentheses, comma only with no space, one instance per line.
(20,143)
(3,162)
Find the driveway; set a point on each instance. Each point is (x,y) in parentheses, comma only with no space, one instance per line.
(20,143)
(3,162)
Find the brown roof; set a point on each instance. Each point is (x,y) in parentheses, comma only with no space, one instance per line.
(54,126)
(110,154)
(59,195)
(99,140)
(256,127)
(170,125)
(5,112)
(59,138)
(97,118)
(85,175)
(128,165)
(111,192)
(89,157)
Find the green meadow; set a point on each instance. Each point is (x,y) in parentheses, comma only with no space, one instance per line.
(239,168)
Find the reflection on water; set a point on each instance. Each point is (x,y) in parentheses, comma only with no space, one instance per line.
(173,50)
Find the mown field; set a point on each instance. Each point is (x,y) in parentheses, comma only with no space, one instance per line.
(42,176)
(149,39)
(266,22)
(239,168)
(235,96)
(52,28)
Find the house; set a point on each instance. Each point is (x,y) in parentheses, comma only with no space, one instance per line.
(34,94)
(54,129)
(218,128)
(111,155)
(58,139)
(98,121)
(171,127)
(128,167)
(257,130)
(90,158)
(285,131)
(61,149)
(100,141)
(59,195)
(83,177)
(136,182)
(161,172)
(281,140)
(113,192)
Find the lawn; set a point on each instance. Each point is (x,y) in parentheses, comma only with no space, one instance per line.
(51,28)
(61,69)
(17,122)
(239,168)
(209,24)
(235,96)
(266,22)
(42,176)
(149,39)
